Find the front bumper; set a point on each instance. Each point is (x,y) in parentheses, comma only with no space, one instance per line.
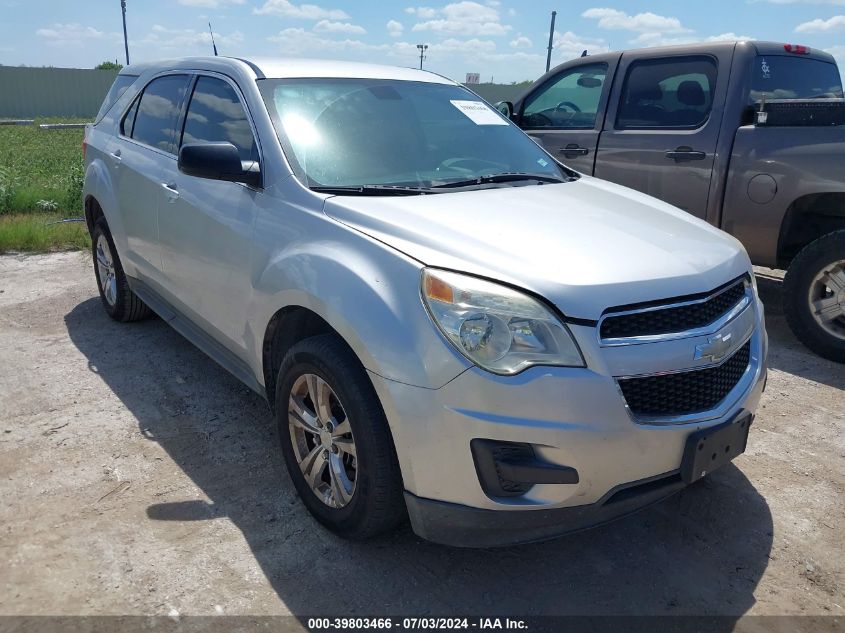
(572,417)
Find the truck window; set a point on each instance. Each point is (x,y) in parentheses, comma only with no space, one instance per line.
(793,77)
(569,100)
(674,92)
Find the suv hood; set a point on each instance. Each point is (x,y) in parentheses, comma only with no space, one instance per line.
(585,246)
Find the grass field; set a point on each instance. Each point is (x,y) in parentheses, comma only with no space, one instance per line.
(38,164)
(41,174)
(33,232)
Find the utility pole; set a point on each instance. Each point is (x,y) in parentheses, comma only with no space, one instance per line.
(423,48)
(551,40)
(125,39)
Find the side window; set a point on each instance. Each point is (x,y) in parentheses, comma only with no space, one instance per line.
(158,112)
(129,119)
(674,92)
(568,101)
(215,114)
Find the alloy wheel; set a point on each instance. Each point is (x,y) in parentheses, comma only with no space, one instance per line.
(105,270)
(322,440)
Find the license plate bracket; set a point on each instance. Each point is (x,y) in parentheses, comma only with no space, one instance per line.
(709,449)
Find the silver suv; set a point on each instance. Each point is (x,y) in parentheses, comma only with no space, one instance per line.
(448,324)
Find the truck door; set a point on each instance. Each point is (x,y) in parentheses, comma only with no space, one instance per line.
(663,124)
(565,112)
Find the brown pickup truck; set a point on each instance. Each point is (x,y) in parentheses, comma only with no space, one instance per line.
(749,136)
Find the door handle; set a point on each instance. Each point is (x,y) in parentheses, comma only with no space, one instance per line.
(685,153)
(116,156)
(170,191)
(572,150)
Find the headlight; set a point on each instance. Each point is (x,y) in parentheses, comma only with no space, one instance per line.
(499,329)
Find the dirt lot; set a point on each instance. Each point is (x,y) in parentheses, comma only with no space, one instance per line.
(137,477)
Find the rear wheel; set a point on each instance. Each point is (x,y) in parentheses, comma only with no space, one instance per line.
(120,302)
(335,440)
(814,296)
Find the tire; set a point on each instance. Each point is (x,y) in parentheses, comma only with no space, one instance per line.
(376,504)
(120,302)
(802,286)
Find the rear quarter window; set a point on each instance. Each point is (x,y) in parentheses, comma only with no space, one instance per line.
(120,85)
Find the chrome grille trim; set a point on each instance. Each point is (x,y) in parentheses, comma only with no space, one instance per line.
(712,328)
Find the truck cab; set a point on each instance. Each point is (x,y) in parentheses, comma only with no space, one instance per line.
(679,123)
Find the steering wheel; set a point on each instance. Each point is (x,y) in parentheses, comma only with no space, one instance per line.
(567,104)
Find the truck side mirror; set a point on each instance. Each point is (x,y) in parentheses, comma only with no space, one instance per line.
(506,108)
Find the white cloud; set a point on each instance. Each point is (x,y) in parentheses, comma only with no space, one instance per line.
(209,4)
(463,18)
(73,34)
(729,37)
(165,38)
(423,13)
(569,45)
(327,26)
(836,23)
(521,42)
(286,9)
(394,28)
(614,19)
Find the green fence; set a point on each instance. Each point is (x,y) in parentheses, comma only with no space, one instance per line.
(52,92)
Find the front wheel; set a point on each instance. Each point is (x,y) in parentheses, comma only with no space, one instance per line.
(335,440)
(814,296)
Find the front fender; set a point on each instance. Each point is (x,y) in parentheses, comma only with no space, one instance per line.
(365,290)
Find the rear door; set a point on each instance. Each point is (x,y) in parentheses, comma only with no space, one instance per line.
(205,225)
(663,125)
(144,149)
(565,112)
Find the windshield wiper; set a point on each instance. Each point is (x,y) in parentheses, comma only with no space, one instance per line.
(512,176)
(372,190)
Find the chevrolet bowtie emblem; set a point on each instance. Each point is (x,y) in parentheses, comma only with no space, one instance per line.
(716,348)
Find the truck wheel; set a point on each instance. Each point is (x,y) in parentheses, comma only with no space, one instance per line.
(120,302)
(814,296)
(336,441)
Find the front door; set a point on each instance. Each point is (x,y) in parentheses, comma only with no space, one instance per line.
(563,113)
(206,226)
(661,131)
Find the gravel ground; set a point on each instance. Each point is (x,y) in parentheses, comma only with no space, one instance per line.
(137,477)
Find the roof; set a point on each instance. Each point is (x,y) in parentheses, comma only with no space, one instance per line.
(699,48)
(283,68)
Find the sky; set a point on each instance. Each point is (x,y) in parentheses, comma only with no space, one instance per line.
(503,40)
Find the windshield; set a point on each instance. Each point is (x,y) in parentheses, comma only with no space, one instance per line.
(364,132)
(792,77)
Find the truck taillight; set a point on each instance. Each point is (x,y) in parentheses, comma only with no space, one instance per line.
(84,142)
(796,49)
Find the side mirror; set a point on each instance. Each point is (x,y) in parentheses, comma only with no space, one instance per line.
(218,161)
(506,108)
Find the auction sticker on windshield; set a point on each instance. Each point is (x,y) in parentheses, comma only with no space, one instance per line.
(479,113)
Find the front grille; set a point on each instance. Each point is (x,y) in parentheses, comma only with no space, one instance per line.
(673,319)
(685,392)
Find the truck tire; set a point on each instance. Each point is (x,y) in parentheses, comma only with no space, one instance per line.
(814,296)
(335,440)
(120,302)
